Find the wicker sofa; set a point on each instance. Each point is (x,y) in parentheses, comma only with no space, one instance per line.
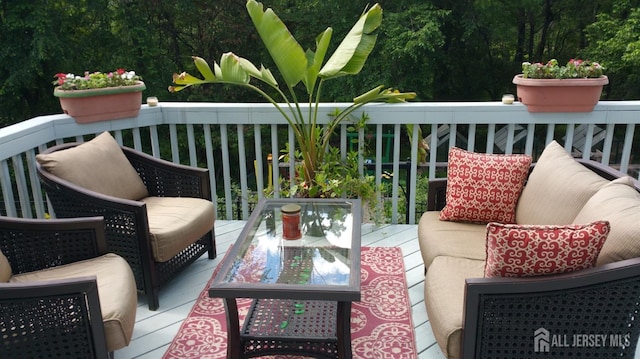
(474,316)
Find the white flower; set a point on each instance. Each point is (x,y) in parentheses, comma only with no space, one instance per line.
(129,75)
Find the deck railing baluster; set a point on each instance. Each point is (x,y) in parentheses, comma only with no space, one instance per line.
(608,134)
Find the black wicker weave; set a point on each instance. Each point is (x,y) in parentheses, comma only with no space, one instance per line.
(51,319)
(592,313)
(559,316)
(126,221)
(273,327)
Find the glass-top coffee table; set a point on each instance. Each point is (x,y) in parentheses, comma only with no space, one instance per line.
(302,288)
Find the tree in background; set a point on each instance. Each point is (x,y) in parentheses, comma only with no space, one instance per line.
(443,49)
(409,40)
(486,42)
(615,39)
(41,38)
(44,37)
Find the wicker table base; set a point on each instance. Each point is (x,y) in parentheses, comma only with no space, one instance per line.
(275,326)
(283,326)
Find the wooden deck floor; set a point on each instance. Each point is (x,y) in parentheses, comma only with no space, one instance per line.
(155,330)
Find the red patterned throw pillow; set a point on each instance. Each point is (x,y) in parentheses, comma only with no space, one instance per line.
(528,250)
(484,187)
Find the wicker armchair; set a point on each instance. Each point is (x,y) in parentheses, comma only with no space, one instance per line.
(49,305)
(129,222)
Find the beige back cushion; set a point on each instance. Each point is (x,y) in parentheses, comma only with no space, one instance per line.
(618,203)
(98,165)
(5,269)
(557,189)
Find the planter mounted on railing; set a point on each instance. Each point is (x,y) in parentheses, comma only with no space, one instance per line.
(559,95)
(101,104)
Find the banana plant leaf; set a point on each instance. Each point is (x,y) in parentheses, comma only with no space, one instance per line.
(353,51)
(285,51)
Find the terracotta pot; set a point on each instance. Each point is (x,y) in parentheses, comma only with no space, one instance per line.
(559,95)
(102,104)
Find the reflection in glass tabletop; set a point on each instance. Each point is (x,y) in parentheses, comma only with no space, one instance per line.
(326,255)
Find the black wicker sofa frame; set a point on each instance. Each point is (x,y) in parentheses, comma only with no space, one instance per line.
(126,220)
(502,314)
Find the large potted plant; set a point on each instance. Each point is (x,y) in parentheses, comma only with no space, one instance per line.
(99,96)
(575,87)
(297,66)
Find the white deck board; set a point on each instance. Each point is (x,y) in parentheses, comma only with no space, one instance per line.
(154,330)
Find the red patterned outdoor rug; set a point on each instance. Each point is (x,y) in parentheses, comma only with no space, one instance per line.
(381,326)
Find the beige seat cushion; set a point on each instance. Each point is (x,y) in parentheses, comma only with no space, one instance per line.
(557,188)
(618,203)
(445,238)
(5,269)
(444,299)
(116,289)
(98,165)
(177,222)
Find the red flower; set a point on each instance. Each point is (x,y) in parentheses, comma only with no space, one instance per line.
(61,77)
(575,62)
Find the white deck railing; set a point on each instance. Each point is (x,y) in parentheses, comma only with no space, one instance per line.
(202,134)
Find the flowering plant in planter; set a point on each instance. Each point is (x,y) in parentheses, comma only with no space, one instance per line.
(574,69)
(575,87)
(99,96)
(93,80)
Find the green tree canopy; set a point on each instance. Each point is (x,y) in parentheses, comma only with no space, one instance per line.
(614,39)
(442,49)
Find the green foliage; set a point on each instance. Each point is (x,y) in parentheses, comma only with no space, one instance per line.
(615,39)
(444,50)
(95,80)
(337,177)
(295,67)
(411,37)
(40,38)
(486,42)
(574,69)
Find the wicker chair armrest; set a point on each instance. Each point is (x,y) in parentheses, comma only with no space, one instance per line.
(568,303)
(436,196)
(167,179)
(34,244)
(66,316)
(606,172)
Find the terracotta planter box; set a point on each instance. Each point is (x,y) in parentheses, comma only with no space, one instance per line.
(108,103)
(565,95)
